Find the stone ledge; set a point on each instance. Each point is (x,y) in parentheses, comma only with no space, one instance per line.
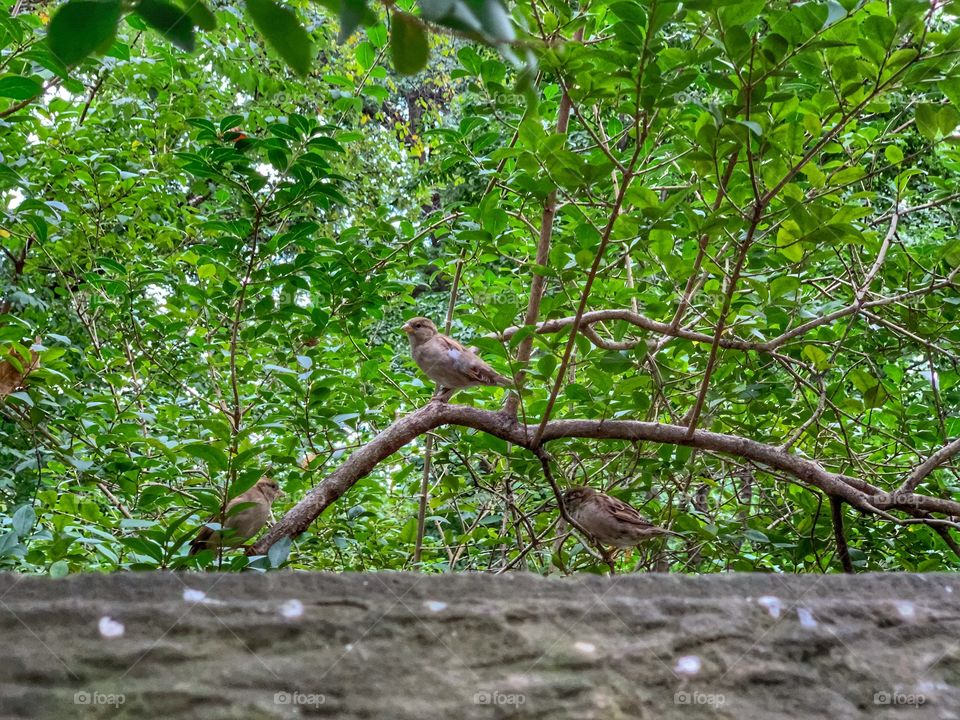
(401,645)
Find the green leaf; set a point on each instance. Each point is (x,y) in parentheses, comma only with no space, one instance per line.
(876,396)
(408,44)
(201,15)
(893,154)
(283,31)
(366,55)
(497,25)
(19,87)
(948,118)
(82,26)
(835,13)
(23,520)
(784,285)
(352,13)
(9,543)
(213,456)
(546,365)
(788,241)
(279,551)
(756,536)
(79,464)
(820,360)
(59,569)
(174,23)
(927,122)
(23,397)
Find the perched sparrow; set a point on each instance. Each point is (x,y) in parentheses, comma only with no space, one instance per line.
(447,362)
(609,521)
(244,516)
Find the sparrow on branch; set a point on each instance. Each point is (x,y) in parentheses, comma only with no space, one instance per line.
(608,520)
(242,518)
(447,362)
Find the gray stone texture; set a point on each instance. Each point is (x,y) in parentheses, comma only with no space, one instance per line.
(403,645)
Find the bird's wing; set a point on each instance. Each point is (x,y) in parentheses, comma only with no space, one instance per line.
(628,514)
(203,538)
(482,373)
(448,343)
(237,506)
(468,363)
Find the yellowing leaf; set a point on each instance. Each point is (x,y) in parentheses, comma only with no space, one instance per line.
(788,242)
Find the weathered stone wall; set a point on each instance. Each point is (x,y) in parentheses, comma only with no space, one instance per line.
(399,646)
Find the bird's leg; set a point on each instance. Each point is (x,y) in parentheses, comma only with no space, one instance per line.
(443,394)
(608,559)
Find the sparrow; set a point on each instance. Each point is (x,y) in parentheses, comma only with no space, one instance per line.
(447,362)
(244,516)
(608,520)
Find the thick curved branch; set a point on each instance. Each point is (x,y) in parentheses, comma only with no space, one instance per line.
(858,493)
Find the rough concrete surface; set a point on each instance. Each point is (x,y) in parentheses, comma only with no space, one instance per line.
(398,645)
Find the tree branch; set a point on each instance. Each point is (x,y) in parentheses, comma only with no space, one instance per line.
(843,552)
(942,456)
(538,283)
(856,492)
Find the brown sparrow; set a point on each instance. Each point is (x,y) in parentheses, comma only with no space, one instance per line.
(243,518)
(447,362)
(608,520)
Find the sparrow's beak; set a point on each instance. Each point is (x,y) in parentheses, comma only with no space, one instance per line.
(407,328)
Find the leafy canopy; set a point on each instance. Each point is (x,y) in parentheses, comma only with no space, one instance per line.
(209,257)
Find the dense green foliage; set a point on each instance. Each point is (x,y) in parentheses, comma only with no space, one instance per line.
(211,257)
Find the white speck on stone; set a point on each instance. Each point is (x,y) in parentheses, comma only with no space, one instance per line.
(198,596)
(110,628)
(348,647)
(195,596)
(772,604)
(585,647)
(948,588)
(292,609)
(435,605)
(806,618)
(930,686)
(688,665)
(906,609)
